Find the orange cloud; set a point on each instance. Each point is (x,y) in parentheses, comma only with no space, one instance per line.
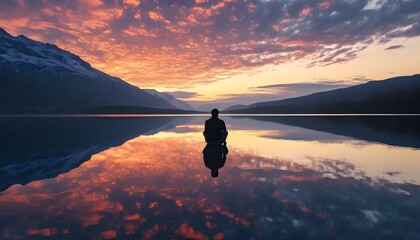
(325,4)
(180,43)
(155,16)
(93,3)
(187,231)
(306,11)
(135,3)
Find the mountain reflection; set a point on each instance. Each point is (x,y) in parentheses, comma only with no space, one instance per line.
(39,148)
(393,130)
(147,180)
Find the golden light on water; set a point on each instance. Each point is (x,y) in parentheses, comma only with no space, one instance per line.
(157,185)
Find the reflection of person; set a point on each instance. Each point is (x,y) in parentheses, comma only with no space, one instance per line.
(215,129)
(215,157)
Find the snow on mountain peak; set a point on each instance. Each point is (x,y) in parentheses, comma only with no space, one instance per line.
(43,75)
(22,50)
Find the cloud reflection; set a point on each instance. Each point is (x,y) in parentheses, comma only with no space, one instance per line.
(139,190)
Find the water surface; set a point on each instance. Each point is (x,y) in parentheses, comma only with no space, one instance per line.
(314,177)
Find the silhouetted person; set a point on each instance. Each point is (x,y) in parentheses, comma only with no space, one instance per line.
(215,157)
(215,129)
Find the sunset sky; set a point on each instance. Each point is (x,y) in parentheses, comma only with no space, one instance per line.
(229,51)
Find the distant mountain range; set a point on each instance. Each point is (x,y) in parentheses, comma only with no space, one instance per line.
(170,99)
(394,95)
(40,77)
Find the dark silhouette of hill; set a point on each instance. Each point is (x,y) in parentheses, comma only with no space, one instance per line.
(170,99)
(134,110)
(235,107)
(39,148)
(401,131)
(394,95)
(92,110)
(38,77)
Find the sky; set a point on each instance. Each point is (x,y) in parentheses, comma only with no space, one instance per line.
(218,53)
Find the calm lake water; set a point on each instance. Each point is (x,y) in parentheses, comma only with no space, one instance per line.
(145,178)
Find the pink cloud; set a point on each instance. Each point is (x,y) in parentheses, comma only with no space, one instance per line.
(184,43)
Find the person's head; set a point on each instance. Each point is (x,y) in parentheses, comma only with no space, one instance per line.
(214,172)
(215,112)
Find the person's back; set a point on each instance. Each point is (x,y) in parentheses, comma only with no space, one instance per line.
(215,129)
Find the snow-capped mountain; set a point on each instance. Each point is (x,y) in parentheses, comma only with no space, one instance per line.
(170,99)
(41,75)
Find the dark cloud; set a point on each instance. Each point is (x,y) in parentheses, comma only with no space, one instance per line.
(304,87)
(393,47)
(360,79)
(186,42)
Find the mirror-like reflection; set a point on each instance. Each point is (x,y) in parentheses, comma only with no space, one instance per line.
(214,156)
(393,130)
(145,178)
(39,148)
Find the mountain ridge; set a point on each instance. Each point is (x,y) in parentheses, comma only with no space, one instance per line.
(170,99)
(45,77)
(393,95)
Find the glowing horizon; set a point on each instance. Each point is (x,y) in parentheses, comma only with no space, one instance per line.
(227,50)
